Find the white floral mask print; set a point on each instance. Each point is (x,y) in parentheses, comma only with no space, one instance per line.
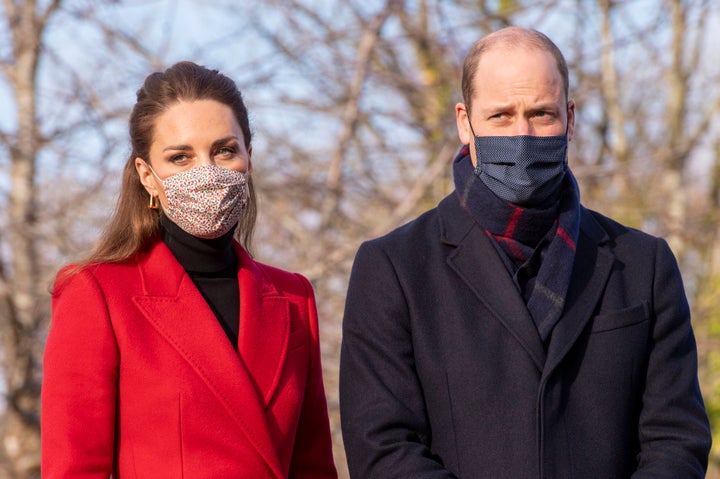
(206,201)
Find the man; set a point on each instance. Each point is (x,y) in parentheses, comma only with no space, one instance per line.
(510,332)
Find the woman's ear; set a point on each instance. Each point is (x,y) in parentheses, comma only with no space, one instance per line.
(147,178)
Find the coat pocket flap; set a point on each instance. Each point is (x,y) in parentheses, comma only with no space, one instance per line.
(622,318)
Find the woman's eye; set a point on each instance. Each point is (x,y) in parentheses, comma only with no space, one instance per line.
(226,151)
(179,158)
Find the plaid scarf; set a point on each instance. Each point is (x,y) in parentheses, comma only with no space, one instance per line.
(547,235)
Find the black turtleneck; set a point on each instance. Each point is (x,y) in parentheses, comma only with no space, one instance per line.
(212,265)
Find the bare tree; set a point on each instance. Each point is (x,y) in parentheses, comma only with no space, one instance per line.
(57,142)
(21,277)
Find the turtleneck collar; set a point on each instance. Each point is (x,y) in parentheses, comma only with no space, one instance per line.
(199,255)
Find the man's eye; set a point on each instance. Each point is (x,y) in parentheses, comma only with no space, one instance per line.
(545,114)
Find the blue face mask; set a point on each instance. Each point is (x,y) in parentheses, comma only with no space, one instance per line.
(524,170)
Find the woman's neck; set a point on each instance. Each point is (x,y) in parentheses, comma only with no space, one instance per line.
(199,255)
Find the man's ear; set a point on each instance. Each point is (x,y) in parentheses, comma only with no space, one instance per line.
(570,119)
(463,124)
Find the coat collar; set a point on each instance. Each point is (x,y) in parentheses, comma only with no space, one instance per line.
(244,381)
(477,262)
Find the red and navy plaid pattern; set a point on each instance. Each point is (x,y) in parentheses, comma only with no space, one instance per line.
(519,231)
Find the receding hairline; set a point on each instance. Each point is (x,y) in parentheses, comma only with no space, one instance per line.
(510,38)
(514,36)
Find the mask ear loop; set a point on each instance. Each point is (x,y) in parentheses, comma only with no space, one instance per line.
(478,167)
(467,112)
(567,128)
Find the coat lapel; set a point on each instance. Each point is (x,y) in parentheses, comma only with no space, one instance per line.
(264,326)
(591,271)
(476,261)
(177,310)
(478,264)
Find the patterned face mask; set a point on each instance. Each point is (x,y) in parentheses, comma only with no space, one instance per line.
(206,201)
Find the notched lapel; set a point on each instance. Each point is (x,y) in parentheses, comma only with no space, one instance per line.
(593,264)
(185,320)
(478,264)
(264,328)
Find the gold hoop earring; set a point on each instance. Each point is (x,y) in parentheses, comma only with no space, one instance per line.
(154,202)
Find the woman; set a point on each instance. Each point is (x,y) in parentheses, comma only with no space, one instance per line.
(172,353)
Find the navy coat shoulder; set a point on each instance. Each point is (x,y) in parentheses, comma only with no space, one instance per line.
(443,373)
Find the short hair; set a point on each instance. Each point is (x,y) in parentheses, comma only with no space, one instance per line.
(512,37)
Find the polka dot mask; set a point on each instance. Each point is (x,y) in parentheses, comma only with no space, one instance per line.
(206,201)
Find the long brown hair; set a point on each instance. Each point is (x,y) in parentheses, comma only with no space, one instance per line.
(133,226)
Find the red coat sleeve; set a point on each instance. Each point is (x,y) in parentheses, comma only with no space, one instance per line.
(80,370)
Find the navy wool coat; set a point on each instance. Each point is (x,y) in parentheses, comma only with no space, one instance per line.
(444,375)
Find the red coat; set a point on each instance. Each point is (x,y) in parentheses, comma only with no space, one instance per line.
(140,379)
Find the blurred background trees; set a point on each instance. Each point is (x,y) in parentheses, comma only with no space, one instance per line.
(352,104)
